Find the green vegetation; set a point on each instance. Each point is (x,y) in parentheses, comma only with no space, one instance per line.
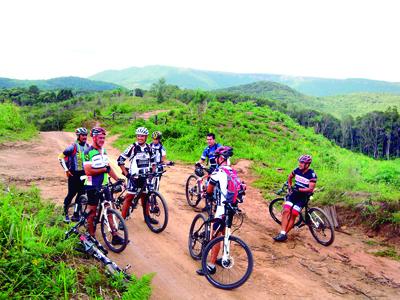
(37,262)
(74,83)
(210,80)
(389,252)
(13,125)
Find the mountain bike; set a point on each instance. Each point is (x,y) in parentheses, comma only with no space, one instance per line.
(92,247)
(236,262)
(111,222)
(156,179)
(155,209)
(315,218)
(196,185)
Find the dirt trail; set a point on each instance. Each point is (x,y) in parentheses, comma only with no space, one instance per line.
(297,268)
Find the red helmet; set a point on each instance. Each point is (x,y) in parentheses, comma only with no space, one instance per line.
(305,158)
(224,151)
(97,130)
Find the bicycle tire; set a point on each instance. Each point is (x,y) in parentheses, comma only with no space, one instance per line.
(155,210)
(190,196)
(210,277)
(275,210)
(326,224)
(196,237)
(120,227)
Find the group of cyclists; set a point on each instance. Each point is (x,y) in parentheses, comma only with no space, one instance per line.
(91,162)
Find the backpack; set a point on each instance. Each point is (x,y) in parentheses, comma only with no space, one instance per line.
(67,158)
(235,185)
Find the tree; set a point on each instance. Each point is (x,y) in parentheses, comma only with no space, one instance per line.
(158,89)
(34,90)
(64,94)
(138,93)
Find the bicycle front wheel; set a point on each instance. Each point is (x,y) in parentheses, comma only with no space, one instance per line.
(155,211)
(193,194)
(114,231)
(234,271)
(198,236)
(320,226)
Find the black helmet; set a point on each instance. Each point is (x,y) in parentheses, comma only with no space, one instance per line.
(81,130)
(97,130)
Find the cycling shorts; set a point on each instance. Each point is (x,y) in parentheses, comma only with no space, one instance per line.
(135,184)
(296,201)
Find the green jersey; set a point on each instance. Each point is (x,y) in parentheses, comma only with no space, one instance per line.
(97,160)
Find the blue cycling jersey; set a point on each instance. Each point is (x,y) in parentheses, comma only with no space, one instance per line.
(209,153)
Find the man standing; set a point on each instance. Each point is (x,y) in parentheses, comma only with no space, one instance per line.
(71,159)
(142,162)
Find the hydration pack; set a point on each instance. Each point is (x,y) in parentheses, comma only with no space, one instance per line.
(235,185)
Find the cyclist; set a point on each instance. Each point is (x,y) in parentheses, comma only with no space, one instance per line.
(142,161)
(208,152)
(97,169)
(71,159)
(219,179)
(299,193)
(158,149)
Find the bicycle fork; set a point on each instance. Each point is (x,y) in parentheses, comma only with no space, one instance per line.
(226,248)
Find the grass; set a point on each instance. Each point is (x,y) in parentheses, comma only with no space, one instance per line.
(13,125)
(37,262)
(389,252)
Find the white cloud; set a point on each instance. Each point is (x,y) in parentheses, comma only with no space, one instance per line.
(43,39)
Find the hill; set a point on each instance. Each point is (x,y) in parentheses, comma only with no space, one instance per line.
(75,83)
(194,79)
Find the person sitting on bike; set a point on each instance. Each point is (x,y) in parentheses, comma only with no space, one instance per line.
(219,179)
(142,161)
(305,181)
(97,169)
(208,152)
(158,150)
(71,159)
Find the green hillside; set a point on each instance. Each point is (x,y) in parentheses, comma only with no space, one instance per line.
(209,80)
(75,83)
(358,104)
(13,124)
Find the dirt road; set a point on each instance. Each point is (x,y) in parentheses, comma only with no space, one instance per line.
(298,268)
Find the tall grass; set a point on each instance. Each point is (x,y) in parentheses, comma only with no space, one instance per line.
(36,261)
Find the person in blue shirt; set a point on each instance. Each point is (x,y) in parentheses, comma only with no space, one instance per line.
(208,152)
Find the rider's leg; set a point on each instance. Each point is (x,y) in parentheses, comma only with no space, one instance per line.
(72,190)
(80,190)
(93,200)
(292,219)
(219,228)
(127,204)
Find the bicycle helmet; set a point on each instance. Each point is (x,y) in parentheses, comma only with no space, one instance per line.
(96,131)
(199,171)
(224,151)
(305,158)
(142,131)
(81,130)
(156,135)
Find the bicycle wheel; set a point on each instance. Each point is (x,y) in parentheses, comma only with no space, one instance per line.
(233,272)
(320,226)
(80,208)
(155,211)
(198,236)
(114,225)
(276,210)
(193,194)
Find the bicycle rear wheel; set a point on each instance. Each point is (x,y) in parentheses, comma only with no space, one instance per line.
(276,210)
(155,211)
(234,272)
(112,227)
(193,194)
(198,236)
(320,226)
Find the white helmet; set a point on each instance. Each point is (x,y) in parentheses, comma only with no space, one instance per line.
(142,131)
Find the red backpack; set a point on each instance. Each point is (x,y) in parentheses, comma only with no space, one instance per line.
(235,185)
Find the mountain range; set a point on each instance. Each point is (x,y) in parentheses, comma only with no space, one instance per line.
(144,77)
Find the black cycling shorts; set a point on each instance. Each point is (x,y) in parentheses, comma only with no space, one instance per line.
(135,184)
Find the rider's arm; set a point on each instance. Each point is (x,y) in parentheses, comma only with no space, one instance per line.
(290,180)
(89,171)
(310,189)
(113,174)
(61,158)
(163,155)
(210,187)
(203,156)
(121,159)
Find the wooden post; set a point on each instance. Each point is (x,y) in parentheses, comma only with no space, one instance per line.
(156,119)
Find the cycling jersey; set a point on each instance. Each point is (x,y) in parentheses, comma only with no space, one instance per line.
(71,159)
(97,159)
(141,158)
(220,179)
(159,151)
(209,153)
(302,180)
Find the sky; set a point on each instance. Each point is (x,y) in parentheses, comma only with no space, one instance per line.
(322,38)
